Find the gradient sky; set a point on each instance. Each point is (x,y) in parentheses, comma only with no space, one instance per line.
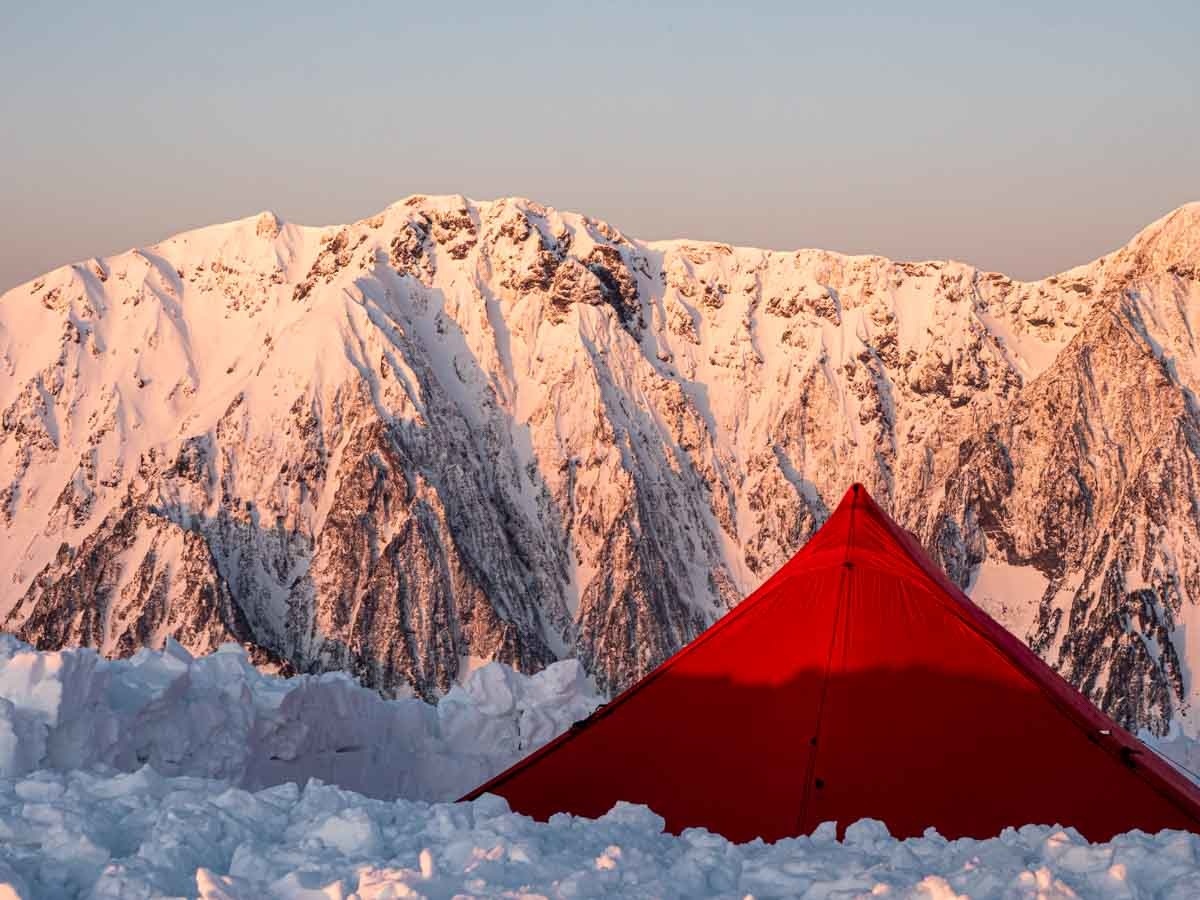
(1024,138)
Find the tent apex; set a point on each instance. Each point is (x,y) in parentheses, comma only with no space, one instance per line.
(856,495)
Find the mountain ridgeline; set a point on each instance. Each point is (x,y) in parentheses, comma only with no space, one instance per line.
(461,430)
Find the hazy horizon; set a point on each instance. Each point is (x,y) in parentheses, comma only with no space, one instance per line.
(1021,141)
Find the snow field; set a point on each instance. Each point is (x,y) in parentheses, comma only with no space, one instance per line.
(137,835)
(167,775)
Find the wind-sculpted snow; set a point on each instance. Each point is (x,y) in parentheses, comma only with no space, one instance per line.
(494,430)
(147,777)
(218,717)
(141,835)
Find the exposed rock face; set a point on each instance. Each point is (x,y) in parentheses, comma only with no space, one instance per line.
(462,429)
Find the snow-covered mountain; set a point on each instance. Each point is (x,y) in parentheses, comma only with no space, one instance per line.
(468,430)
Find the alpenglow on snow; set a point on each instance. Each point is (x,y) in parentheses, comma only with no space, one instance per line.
(466,430)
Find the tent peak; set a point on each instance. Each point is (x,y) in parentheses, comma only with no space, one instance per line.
(856,493)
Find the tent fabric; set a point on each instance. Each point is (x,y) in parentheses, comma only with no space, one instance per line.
(857,682)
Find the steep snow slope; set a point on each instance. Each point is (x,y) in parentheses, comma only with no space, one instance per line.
(462,430)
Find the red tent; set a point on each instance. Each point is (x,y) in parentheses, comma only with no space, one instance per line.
(857,682)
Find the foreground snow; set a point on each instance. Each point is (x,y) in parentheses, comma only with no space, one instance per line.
(151,776)
(216,716)
(143,835)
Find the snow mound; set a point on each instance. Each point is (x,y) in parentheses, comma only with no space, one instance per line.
(216,716)
(145,835)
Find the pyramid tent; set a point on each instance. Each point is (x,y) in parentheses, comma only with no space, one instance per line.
(857,682)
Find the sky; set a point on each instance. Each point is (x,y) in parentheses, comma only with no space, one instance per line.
(1022,138)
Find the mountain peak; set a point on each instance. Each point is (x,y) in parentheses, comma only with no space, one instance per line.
(1171,243)
(267,225)
(445,431)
